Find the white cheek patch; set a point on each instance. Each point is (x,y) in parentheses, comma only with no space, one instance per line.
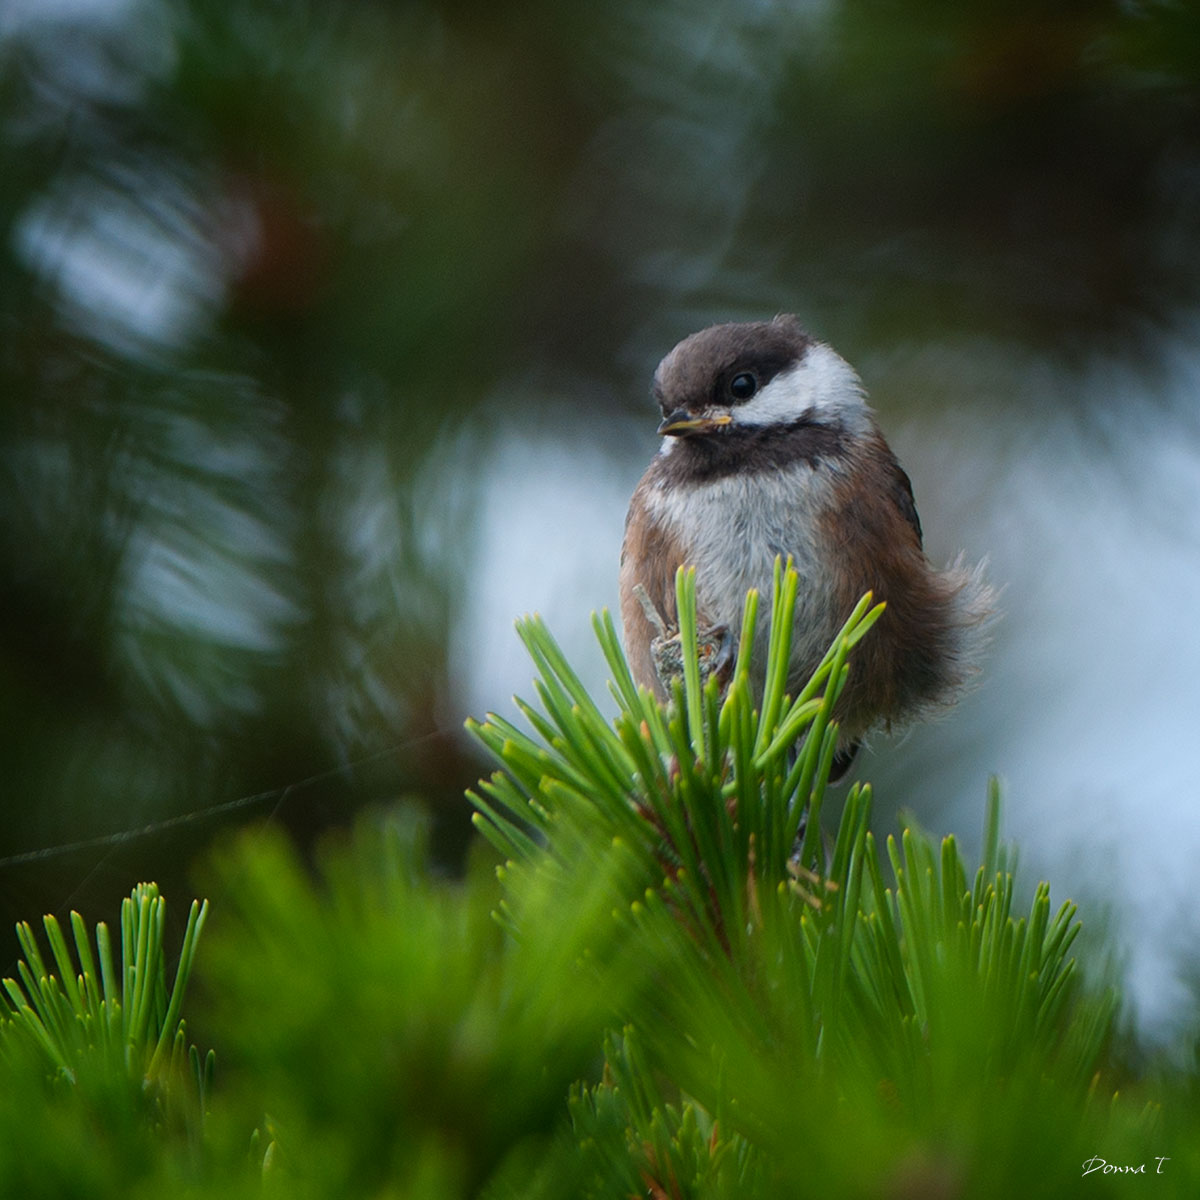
(822,385)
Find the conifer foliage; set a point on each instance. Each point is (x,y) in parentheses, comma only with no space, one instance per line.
(673,984)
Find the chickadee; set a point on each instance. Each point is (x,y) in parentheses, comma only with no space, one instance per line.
(771,450)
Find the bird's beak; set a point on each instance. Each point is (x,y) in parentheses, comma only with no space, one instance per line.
(682,423)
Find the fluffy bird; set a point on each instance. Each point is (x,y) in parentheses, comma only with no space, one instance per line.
(770,449)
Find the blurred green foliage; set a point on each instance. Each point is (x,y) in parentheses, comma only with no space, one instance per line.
(595,1018)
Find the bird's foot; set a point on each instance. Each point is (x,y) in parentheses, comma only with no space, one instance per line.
(716,648)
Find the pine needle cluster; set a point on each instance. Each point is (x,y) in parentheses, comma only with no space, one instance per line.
(680,978)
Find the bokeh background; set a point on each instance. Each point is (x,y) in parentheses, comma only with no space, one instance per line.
(326,338)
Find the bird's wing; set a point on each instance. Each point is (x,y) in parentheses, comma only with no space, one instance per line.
(649,558)
(902,495)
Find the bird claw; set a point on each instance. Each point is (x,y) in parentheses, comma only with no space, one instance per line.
(718,653)
(716,648)
(652,614)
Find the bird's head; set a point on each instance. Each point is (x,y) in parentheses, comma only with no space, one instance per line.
(753,377)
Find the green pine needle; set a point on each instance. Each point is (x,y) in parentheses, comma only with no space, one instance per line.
(698,781)
(812,953)
(86,1020)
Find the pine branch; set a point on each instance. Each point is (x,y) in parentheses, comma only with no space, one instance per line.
(782,970)
(89,1022)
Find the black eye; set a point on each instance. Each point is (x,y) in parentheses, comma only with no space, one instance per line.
(743,386)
